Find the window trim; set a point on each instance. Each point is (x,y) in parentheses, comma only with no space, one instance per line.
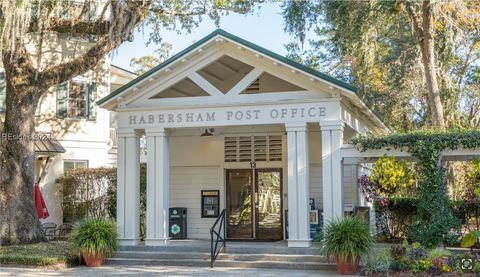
(89,114)
(74,163)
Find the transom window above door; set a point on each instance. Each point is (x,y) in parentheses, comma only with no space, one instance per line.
(258,148)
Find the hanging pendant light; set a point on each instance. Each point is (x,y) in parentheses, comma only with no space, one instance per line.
(208,132)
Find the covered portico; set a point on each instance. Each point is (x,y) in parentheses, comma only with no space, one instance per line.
(287,116)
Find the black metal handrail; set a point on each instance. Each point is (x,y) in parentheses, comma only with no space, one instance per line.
(220,235)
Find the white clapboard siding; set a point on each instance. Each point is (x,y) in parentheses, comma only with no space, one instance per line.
(316,184)
(350,184)
(186,184)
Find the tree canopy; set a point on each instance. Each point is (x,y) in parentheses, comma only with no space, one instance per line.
(377,46)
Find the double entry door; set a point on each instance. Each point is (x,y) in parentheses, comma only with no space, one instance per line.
(254,204)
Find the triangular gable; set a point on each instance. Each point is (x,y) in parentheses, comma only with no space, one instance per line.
(221,33)
(267,83)
(225,75)
(225,72)
(184,88)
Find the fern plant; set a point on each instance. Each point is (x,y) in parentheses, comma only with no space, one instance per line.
(95,236)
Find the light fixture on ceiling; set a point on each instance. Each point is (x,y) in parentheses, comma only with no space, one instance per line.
(208,132)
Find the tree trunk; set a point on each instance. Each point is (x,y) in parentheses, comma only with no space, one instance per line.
(19,221)
(428,59)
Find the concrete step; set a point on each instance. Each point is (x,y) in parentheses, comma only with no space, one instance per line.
(272,258)
(275,264)
(232,249)
(165,262)
(161,255)
(221,256)
(283,261)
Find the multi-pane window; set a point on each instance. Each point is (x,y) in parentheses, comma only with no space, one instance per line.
(69,164)
(76,99)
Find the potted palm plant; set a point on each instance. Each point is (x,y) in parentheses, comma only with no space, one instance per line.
(95,239)
(346,239)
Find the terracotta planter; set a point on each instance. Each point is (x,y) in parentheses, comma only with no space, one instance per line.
(92,260)
(348,266)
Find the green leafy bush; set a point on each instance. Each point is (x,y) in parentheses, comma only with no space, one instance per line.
(85,194)
(433,219)
(391,175)
(346,237)
(95,236)
(379,263)
(470,239)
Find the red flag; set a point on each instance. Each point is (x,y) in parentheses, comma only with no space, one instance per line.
(42,211)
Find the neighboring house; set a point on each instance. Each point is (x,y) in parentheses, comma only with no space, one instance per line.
(76,133)
(70,122)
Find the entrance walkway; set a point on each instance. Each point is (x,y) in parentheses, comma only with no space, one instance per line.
(160,271)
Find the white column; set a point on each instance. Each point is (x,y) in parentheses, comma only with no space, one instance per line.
(157,187)
(332,137)
(128,187)
(298,183)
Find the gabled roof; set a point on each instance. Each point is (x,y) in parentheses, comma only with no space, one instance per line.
(243,42)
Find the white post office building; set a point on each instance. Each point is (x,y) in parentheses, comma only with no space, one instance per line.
(228,118)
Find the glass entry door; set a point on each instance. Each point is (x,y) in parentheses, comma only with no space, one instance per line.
(254,204)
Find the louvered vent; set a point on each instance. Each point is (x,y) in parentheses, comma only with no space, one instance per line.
(253,148)
(254,87)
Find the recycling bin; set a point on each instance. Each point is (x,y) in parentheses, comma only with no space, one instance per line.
(177,223)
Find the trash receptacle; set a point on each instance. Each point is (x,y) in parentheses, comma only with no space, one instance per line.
(178,223)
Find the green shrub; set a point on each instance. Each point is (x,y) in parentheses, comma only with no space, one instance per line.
(391,175)
(397,219)
(346,237)
(95,236)
(85,192)
(438,253)
(476,266)
(378,263)
(433,219)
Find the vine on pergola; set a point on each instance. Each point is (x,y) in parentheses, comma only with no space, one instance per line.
(434,219)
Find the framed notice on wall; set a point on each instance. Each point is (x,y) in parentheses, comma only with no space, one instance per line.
(313,215)
(210,203)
